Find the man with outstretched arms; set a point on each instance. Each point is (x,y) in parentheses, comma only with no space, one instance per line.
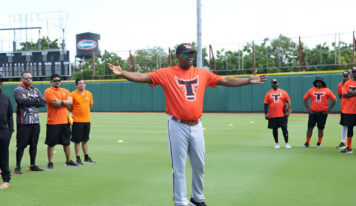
(58,129)
(346,75)
(319,109)
(277,109)
(28,99)
(349,108)
(184,86)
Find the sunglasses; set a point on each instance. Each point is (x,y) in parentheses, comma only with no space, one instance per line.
(27,78)
(56,80)
(186,56)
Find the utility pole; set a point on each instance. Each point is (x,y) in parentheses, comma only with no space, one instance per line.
(199,46)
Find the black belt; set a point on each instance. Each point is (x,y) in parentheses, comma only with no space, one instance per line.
(190,123)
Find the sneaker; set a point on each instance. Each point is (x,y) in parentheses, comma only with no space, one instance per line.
(50,165)
(79,162)
(35,168)
(318,145)
(347,150)
(288,146)
(18,171)
(70,163)
(276,146)
(341,146)
(192,202)
(89,160)
(306,145)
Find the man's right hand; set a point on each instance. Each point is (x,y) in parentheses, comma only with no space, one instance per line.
(115,69)
(310,111)
(266,116)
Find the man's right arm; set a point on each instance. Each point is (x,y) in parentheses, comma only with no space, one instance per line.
(131,76)
(22,99)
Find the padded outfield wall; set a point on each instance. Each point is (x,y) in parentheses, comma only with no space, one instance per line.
(124,96)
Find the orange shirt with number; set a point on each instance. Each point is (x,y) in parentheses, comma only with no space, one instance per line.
(276,100)
(81,106)
(319,98)
(56,115)
(350,103)
(184,90)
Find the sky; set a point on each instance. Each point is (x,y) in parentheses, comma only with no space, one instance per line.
(136,24)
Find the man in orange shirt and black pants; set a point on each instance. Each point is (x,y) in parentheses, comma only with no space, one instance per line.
(318,110)
(346,75)
(277,109)
(82,103)
(349,108)
(58,129)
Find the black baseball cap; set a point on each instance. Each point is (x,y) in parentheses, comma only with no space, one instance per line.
(346,73)
(274,80)
(320,79)
(184,48)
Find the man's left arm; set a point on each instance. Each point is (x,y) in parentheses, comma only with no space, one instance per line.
(41,100)
(332,97)
(237,82)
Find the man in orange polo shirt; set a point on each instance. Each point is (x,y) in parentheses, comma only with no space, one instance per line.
(184,87)
(58,129)
(319,109)
(349,108)
(277,109)
(82,103)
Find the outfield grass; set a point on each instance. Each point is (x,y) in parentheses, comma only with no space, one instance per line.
(242,167)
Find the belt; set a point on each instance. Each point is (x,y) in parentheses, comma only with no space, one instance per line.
(190,123)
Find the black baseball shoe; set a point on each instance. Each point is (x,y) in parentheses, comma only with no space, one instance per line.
(341,146)
(50,165)
(35,168)
(79,161)
(318,145)
(347,150)
(18,171)
(89,160)
(70,163)
(192,202)
(306,145)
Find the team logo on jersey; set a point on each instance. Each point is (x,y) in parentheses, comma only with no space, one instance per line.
(189,86)
(318,96)
(276,97)
(352,89)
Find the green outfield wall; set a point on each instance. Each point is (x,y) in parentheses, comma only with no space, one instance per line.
(124,96)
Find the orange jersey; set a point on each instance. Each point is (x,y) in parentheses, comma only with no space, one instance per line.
(349,103)
(339,92)
(184,90)
(81,106)
(56,115)
(276,100)
(319,98)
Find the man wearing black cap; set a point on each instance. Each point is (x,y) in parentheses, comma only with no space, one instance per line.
(277,109)
(346,75)
(184,86)
(349,108)
(6,130)
(319,108)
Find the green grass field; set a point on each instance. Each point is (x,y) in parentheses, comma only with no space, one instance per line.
(242,167)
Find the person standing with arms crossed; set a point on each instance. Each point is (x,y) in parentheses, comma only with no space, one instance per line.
(27,99)
(184,86)
(277,109)
(318,110)
(346,75)
(82,103)
(58,129)
(349,108)
(6,130)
